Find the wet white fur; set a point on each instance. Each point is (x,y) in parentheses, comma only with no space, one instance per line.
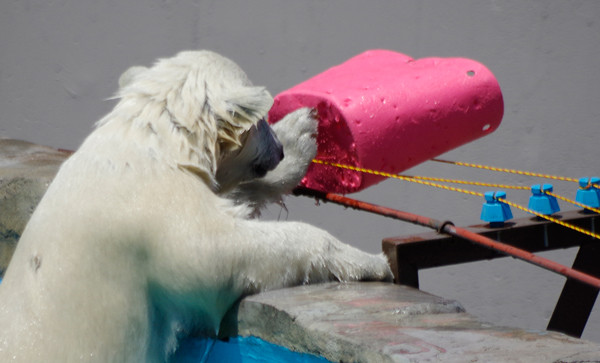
(131,248)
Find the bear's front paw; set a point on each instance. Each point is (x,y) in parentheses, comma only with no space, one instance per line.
(379,271)
(346,263)
(297,132)
(368,268)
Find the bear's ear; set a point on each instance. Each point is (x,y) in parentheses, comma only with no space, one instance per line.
(130,75)
(244,108)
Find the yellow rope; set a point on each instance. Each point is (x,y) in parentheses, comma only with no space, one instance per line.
(395,176)
(572,202)
(547,176)
(421,180)
(467,182)
(551,219)
(505,170)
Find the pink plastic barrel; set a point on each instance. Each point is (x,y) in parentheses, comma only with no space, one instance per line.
(385,111)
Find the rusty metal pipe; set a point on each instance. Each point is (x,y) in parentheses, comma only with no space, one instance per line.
(450,229)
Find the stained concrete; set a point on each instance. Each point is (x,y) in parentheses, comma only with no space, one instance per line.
(26,170)
(381,322)
(354,322)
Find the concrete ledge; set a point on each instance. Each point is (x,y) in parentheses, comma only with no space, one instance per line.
(379,322)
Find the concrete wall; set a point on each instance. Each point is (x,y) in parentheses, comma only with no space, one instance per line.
(60,60)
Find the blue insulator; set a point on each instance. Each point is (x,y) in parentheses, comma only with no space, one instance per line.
(494,211)
(541,202)
(588,192)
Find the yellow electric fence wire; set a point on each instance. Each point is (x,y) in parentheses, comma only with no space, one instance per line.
(396,176)
(505,170)
(503,186)
(551,219)
(467,182)
(572,202)
(527,173)
(421,180)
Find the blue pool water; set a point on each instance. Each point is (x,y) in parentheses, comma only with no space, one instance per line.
(239,350)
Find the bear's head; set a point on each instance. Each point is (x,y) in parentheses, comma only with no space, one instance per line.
(204,114)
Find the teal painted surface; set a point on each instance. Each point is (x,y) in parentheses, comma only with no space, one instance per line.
(239,350)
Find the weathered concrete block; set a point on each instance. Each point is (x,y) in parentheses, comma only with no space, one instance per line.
(380,322)
(26,170)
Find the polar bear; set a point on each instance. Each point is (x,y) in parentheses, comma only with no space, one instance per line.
(144,235)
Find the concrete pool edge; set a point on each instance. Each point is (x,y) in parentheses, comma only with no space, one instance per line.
(380,322)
